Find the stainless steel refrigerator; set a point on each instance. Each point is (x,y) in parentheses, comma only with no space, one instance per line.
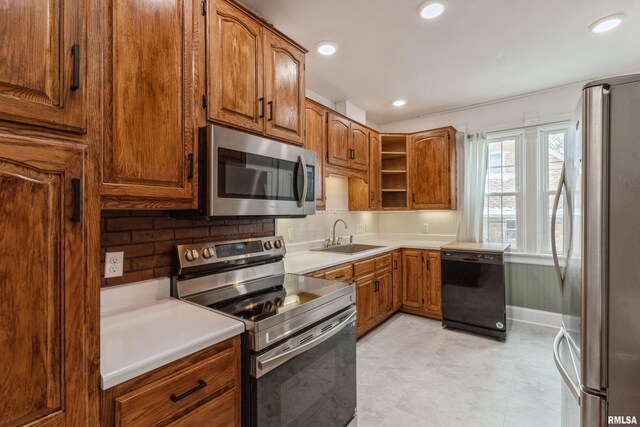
(597,351)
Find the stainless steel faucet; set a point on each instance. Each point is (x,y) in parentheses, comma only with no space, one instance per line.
(333,240)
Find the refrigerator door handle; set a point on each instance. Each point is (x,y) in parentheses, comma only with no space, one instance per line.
(554,217)
(575,389)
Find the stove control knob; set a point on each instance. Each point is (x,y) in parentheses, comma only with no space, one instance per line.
(191,255)
(278,243)
(207,253)
(268,245)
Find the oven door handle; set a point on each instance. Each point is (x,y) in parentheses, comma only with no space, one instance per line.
(303,195)
(274,361)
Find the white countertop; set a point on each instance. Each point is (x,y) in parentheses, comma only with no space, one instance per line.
(476,247)
(306,261)
(143,328)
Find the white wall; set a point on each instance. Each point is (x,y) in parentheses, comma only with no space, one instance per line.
(538,108)
(437,222)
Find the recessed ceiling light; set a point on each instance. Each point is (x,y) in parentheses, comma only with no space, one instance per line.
(431,9)
(327,48)
(607,23)
(399,102)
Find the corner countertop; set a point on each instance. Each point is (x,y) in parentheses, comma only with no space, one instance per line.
(142,328)
(476,247)
(306,261)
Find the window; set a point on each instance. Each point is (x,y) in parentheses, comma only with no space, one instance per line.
(552,158)
(523,172)
(502,191)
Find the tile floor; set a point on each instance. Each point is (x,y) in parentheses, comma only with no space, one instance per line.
(412,372)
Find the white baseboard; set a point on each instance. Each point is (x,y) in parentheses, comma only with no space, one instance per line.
(535,317)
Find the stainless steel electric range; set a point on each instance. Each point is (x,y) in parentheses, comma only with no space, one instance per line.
(299,353)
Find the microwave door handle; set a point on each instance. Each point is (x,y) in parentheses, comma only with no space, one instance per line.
(554,216)
(303,194)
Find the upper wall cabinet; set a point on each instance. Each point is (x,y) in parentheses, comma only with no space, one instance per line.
(43,65)
(255,77)
(315,140)
(433,169)
(147,153)
(347,144)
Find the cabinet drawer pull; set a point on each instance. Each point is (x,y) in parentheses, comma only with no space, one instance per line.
(372,196)
(201,385)
(340,276)
(270,111)
(261,108)
(75,81)
(190,167)
(395,264)
(76,186)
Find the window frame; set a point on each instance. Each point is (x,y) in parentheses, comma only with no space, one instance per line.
(518,137)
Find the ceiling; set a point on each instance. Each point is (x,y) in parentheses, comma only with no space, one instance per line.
(478,51)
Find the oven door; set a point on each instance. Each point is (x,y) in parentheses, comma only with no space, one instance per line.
(252,175)
(308,380)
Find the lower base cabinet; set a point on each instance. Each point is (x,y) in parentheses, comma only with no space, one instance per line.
(200,389)
(422,283)
(391,282)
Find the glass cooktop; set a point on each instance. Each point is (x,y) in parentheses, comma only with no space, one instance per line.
(294,292)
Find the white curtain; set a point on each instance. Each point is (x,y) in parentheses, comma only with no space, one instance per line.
(476,158)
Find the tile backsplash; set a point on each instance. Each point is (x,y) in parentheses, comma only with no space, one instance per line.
(320,225)
(148,239)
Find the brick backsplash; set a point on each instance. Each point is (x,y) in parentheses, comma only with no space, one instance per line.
(148,237)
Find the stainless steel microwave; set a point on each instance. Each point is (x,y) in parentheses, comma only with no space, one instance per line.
(249,175)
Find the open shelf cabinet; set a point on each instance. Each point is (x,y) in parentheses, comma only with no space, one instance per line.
(394,171)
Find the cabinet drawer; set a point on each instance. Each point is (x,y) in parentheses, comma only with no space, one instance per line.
(177,393)
(383,261)
(341,274)
(221,411)
(363,267)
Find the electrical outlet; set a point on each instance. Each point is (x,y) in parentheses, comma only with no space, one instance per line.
(290,234)
(425,227)
(113,264)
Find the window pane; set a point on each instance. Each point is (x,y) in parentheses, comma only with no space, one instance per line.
(510,219)
(494,180)
(509,152)
(509,179)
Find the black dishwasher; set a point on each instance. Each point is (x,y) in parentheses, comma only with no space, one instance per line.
(473,292)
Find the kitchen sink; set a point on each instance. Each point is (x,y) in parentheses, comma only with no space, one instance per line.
(352,248)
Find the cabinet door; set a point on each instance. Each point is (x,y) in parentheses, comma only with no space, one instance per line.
(375,166)
(384,293)
(397,280)
(338,137)
(315,139)
(37,66)
(430,177)
(365,303)
(284,89)
(234,58)
(222,411)
(358,194)
(412,263)
(147,156)
(433,285)
(45,364)
(359,147)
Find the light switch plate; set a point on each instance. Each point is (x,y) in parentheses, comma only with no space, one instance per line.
(113,264)
(290,234)
(425,227)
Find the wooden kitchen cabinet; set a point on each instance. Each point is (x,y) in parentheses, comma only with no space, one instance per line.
(347,145)
(397,280)
(412,265)
(366,303)
(384,294)
(43,66)
(433,169)
(359,147)
(148,146)
(338,140)
(256,75)
(284,88)
(358,194)
(422,287)
(205,386)
(375,167)
(47,367)
(316,140)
